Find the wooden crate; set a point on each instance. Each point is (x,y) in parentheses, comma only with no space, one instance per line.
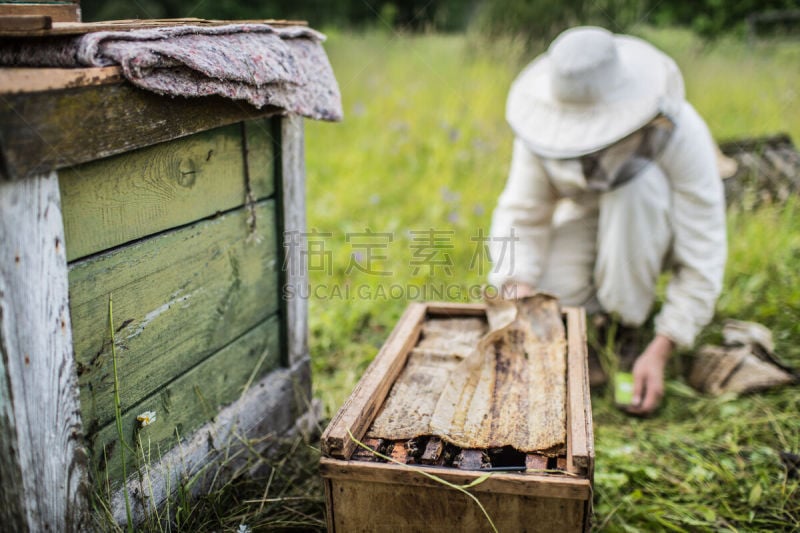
(374,496)
(179,208)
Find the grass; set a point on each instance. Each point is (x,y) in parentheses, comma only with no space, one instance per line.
(713,464)
(258,484)
(419,161)
(280,492)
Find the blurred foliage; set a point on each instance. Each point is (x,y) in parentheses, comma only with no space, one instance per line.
(413,15)
(712,18)
(536,21)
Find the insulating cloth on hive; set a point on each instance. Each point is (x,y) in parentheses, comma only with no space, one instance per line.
(478,389)
(281,67)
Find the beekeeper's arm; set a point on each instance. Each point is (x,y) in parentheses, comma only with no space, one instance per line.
(699,251)
(521,224)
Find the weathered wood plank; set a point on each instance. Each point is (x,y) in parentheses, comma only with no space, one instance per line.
(292,186)
(540,485)
(384,508)
(360,409)
(178,298)
(30,80)
(271,408)
(122,198)
(80,28)
(329,503)
(188,402)
(43,464)
(13,504)
(38,133)
(578,438)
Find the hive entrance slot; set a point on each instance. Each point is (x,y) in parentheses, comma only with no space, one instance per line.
(433,451)
(506,457)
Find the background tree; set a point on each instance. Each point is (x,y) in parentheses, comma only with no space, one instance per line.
(536,21)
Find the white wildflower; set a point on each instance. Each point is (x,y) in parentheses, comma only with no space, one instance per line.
(146,418)
(244,528)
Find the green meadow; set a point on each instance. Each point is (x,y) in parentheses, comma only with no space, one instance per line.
(400,197)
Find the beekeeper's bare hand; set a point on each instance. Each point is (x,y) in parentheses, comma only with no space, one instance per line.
(648,376)
(517,289)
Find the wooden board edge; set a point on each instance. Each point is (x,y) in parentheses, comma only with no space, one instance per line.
(35,139)
(59,14)
(587,404)
(290,185)
(361,407)
(15,80)
(44,460)
(538,485)
(330,509)
(450,309)
(67,23)
(587,515)
(577,389)
(572,466)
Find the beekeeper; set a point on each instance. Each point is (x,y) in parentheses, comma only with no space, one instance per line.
(613,181)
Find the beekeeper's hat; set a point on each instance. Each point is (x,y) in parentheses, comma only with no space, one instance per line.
(589,90)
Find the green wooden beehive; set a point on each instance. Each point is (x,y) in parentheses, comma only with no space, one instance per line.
(178,209)
(194,274)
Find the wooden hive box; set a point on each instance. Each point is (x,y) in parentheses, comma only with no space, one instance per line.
(368,495)
(178,207)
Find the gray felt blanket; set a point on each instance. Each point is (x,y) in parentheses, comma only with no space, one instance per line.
(263,65)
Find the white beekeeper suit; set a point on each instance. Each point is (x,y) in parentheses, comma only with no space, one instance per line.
(613,180)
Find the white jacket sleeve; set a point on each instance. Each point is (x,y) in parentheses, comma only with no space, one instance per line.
(698,218)
(521,223)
